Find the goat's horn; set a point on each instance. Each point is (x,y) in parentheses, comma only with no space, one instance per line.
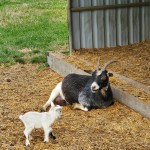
(108,63)
(97,64)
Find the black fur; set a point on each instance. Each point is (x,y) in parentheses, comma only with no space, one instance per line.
(77,89)
(52,135)
(72,85)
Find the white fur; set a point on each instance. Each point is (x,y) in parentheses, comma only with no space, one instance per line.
(79,106)
(34,120)
(99,72)
(55,92)
(94,87)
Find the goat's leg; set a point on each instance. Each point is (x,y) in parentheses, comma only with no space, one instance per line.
(79,106)
(51,134)
(55,92)
(47,130)
(30,137)
(27,132)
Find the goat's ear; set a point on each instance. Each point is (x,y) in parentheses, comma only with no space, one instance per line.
(89,71)
(59,108)
(110,74)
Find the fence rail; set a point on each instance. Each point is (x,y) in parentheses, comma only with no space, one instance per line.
(108,23)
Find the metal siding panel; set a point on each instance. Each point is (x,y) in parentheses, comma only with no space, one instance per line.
(76,26)
(147,26)
(98,25)
(124,24)
(112,25)
(100,21)
(95,25)
(106,20)
(148,22)
(130,23)
(86,26)
(136,23)
(118,18)
(142,33)
(107,28)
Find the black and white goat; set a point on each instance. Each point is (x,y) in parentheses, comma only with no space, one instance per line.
(83,91)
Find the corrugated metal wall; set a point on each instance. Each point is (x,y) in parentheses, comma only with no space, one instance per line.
(108,27)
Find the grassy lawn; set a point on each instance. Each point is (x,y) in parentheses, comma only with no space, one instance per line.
(29,28)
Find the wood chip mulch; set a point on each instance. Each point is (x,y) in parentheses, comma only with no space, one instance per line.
(27,89)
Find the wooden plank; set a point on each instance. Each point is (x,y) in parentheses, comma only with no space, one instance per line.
(86,26)
(132,102)
(76,26)
(132,82)
(55,59)
(65,68)
(111,6)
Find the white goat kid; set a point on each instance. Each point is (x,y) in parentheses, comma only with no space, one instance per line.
(34,120)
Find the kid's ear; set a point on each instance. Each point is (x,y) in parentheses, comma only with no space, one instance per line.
(59,108)
(110,74)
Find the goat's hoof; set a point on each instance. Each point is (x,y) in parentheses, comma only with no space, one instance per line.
(52,136)
(30,137)
(54,141)
(46,141)
(86,109)
(42,109)
(27,144)
(74,105)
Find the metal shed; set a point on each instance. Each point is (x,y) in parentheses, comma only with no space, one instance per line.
(107,23)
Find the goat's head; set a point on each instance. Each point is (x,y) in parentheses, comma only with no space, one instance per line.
(56,109)
(101,77)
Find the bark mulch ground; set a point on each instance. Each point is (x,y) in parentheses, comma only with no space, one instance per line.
(23,88)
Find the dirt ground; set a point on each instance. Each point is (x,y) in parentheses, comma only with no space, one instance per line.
(23,88)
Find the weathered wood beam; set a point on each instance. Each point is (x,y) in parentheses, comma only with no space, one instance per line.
(110,6)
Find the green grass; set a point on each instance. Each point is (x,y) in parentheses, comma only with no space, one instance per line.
(38,26)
